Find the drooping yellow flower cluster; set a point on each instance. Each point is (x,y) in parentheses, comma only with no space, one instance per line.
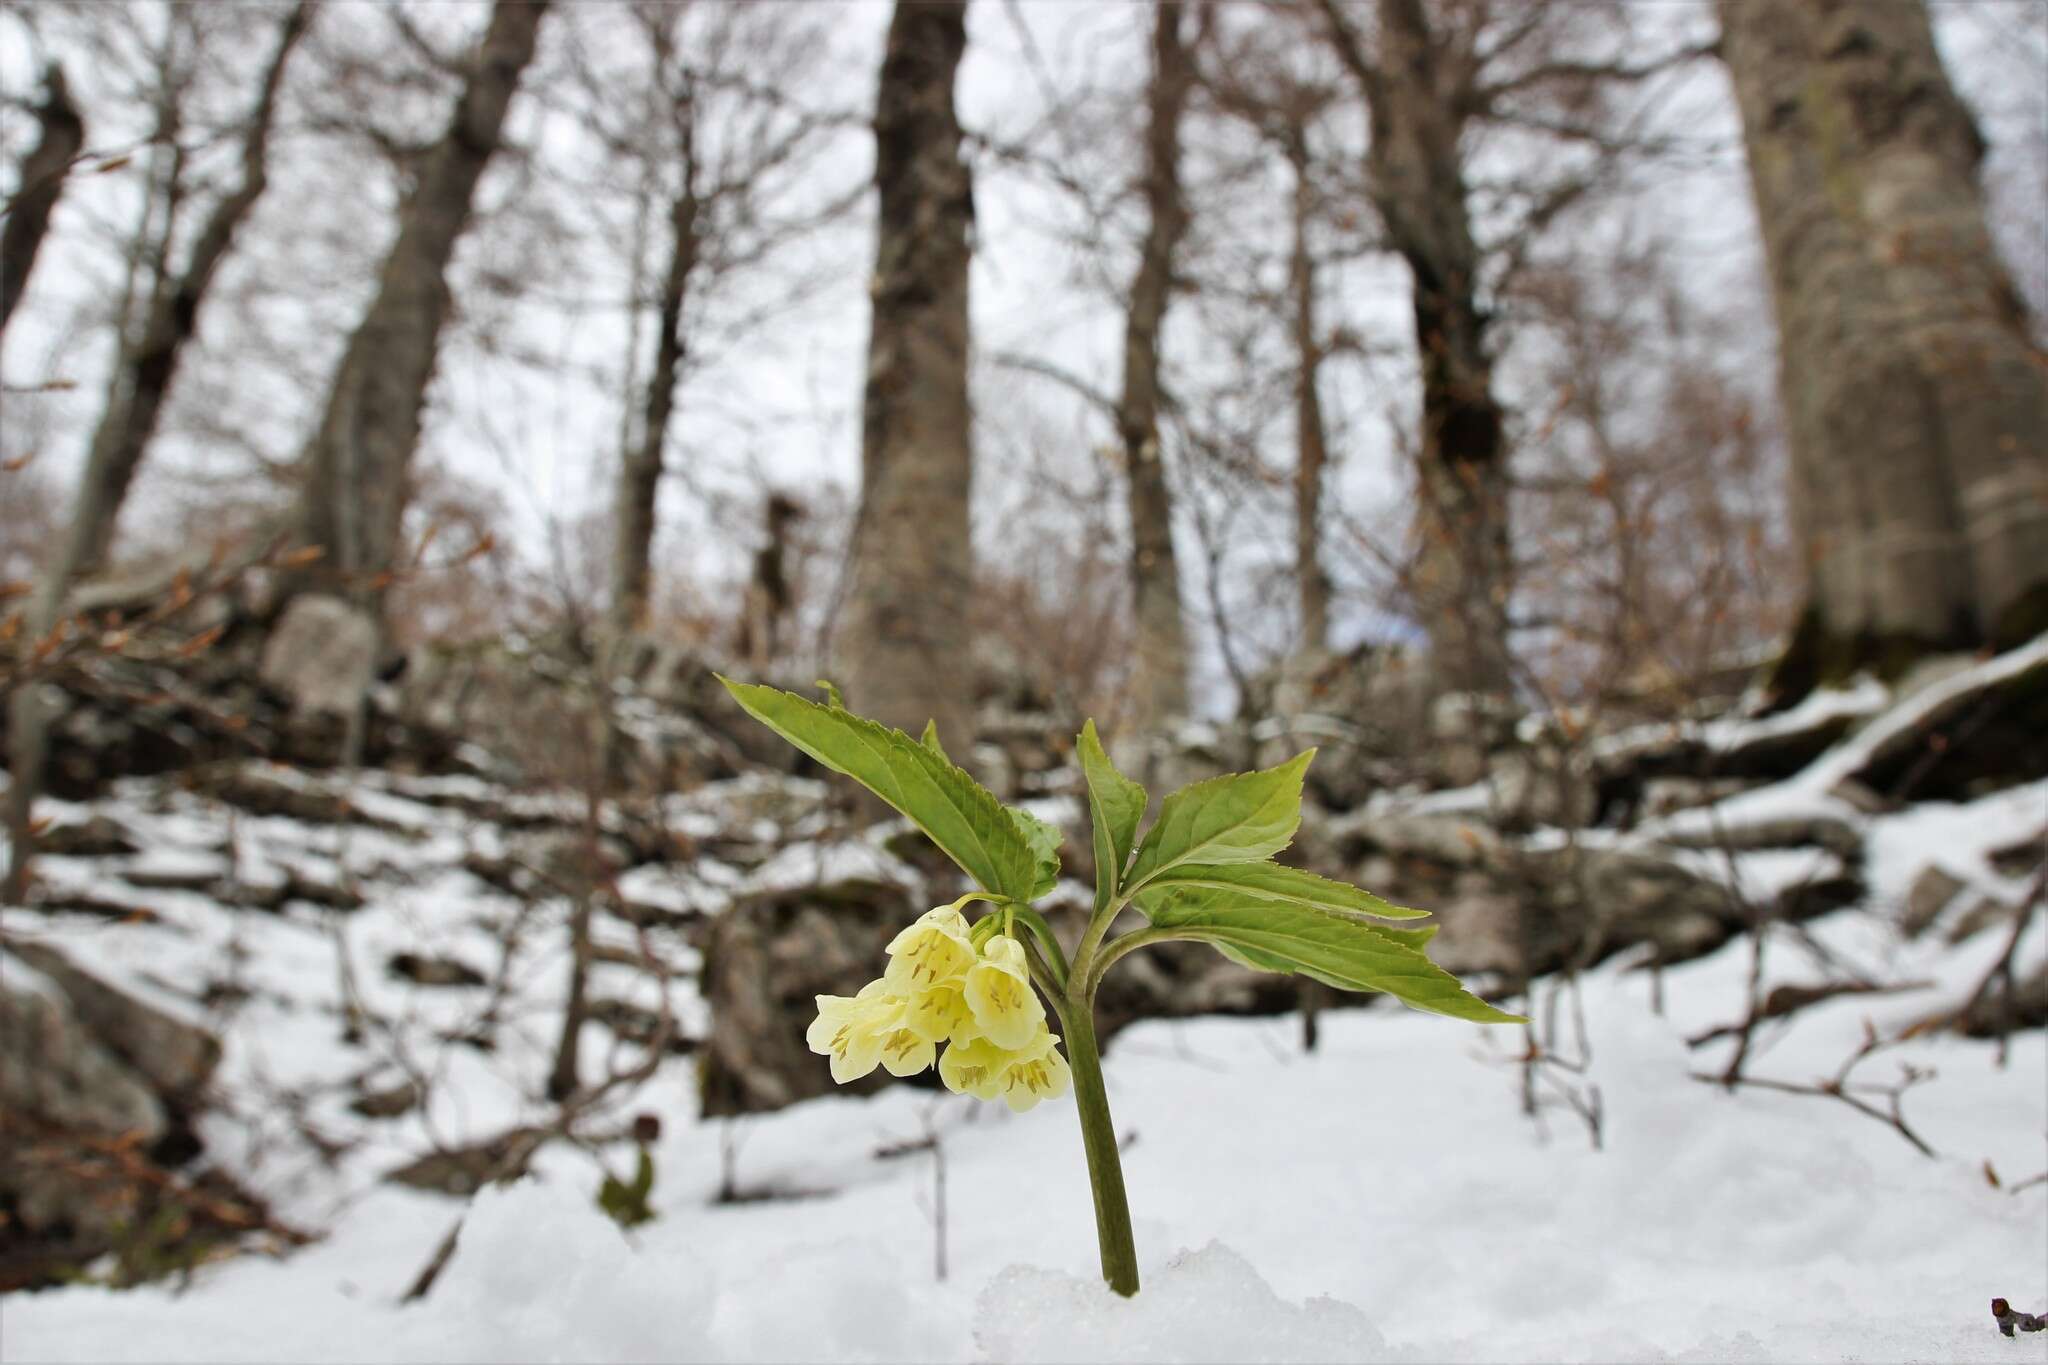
(940,988)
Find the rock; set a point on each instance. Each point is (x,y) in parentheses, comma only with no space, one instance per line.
(1448,840)
(94,1092)
(638,1024)
(1965,737)
(2023,859)
(1538,784)
(60,1075)
(1986,912)
(174,1057)
(427,970)
(1999,1013)
(388,1103)
(320,656)
(1929,895)
(1814,829)
(96,836)
(766,959)
(1668,795)
(462,1171)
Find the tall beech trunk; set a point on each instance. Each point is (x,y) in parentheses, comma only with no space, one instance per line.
(1311,445)
(1916,407)
(358,463)
(143,372)
(59,139)
(640,469)
(1462,573)
(902,646)
(1159,685)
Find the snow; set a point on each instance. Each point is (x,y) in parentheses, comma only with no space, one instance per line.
(1382,1199)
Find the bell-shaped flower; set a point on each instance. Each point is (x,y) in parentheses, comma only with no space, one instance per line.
(1019,1077)
(975,1067)
(939,1014)
(998,990)
(1036,1073)
(853,1031)
(904,1052)
(932,951)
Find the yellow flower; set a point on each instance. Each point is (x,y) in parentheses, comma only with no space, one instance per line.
(933,951)
(1019,1077)
(1037,1073)
(905,1053)
(854,1031)
(975,1068)
(939,1014)
(998,990)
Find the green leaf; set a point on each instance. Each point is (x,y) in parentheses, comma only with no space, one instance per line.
(1044,840)
(1346,953)
(1241,818)
(931,740)
(955,812)
(1286,885)
(1115,806)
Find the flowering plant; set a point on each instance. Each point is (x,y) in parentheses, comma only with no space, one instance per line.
(1204,871)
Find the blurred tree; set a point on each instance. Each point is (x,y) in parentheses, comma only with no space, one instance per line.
(902,645)
(357,466)
(61,136)
(734,168)
(1159,684)
(1916,404)
(165,318)
(1433,79)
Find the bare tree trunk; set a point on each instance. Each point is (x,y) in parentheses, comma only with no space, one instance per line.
(135,397)
(1917,409)
(1311,446)
(640,471)
(147,368)
(1160,681)
(903,646)
(358,464)
(1416,94)
(61,137)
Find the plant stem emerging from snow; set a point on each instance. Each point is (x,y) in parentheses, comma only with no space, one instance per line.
(1098,1138)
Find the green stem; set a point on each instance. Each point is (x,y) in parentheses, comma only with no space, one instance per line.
(1098,1138)
(1091,978)
(1055,956)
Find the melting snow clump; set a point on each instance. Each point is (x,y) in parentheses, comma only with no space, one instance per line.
(1207,1305)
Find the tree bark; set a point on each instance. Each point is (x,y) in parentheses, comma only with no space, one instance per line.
(60,138)
(142,380)
(1462,573)
(1159,685)
(640,471)
(903,645)
(1917,409)
(1312,581)
(358,464)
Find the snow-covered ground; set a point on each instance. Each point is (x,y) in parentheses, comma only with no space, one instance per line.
(1383,1198)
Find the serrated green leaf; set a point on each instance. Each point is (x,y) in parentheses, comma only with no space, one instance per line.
(1044,840)
(1239,818)
(955,812)
(1115,806)
(1342,952)
(930,740)
(1269,881)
